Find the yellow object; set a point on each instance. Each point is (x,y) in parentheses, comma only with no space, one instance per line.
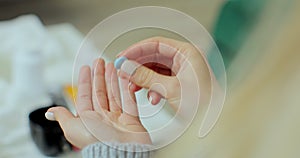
(70,93)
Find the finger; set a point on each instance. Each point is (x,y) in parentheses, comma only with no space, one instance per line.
(60,114)
(113,90)
(133,87)
(156,45)
(84,96)
(99,88)
(74,131)
(128,97)
(147,78)
(154,98)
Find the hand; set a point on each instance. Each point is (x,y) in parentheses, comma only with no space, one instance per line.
(101,117)
(169,63)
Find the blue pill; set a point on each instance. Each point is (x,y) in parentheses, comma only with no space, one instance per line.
(119,61)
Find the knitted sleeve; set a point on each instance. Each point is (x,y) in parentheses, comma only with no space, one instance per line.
(117,150)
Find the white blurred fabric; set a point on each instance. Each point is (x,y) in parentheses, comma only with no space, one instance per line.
(58,44)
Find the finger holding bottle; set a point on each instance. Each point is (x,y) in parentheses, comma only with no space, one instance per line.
(159,61)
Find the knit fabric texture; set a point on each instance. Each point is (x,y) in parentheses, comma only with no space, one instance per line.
(117,150)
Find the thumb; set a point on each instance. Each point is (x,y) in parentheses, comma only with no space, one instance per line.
(149,79)
(60,114)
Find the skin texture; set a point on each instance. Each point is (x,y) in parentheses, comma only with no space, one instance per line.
(169,58)
(101,114)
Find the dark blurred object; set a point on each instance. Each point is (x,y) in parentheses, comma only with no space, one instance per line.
(47,135)
(235,22)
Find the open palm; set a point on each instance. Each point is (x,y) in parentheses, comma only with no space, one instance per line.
(102,114)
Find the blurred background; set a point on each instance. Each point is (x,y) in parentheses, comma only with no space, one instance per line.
(258,40)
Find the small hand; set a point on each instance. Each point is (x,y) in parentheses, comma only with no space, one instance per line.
(101,116)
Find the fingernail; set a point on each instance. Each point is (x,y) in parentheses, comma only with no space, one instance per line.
(150,99)
(50,116)
(119,61)
(129,85)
